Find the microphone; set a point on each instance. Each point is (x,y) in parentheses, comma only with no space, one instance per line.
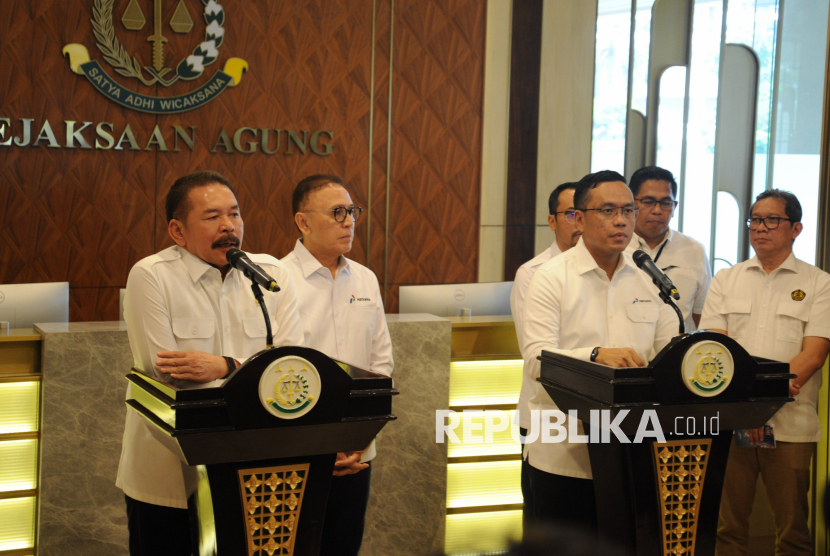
(240,261)
(662,281)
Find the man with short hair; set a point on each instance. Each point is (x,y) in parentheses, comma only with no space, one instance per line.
(681,257)
(191,319)
(561,221)
(591,303)
(776,307)
(342,315)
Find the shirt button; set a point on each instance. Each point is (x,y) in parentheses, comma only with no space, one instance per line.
(194,331)
(262,331)
(614,345)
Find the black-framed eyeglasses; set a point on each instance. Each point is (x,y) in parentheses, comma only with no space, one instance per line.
(341,212)
(569,214)
(608,213)
(771,222)
(665,203)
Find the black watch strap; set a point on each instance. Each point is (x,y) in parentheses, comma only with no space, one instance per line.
(594,354)
(232,364)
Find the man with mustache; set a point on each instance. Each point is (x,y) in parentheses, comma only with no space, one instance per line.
(591,303)
(682,258)
(561,221)
(342,316)
(191,319)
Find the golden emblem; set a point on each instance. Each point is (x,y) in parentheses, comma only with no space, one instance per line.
(799,295)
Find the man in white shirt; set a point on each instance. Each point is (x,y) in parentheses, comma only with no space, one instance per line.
(594,304)
(561,221)
(342,314)
(776,307)
(681,257)
(191,319)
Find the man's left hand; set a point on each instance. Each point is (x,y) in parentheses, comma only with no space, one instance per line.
(196,366)
(348,463)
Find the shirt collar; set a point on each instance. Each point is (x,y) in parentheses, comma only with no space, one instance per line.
(196,267)
(788,264)
(585,261)
(642,242)
(310,264)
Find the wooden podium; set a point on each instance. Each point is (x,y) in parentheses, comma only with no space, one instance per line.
(664,498)
(258,452)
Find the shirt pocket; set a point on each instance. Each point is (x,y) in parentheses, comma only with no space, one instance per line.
(737,316)
(642,320)
(194,334)
(361,331)
(255,333)
(791,318)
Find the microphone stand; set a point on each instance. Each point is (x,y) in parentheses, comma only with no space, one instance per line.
(668,301)
(269,336)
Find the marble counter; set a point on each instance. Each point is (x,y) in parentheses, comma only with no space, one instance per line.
(82,512)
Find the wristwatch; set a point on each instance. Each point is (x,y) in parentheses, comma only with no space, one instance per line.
(594,354)
(232,364)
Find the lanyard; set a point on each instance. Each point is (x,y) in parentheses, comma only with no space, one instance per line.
(660,252)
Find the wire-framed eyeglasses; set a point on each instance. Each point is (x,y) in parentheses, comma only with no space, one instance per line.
(771,222)
(341,212)
(608,213)
(665,203)
(569,214)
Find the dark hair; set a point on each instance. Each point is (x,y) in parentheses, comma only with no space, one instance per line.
(651,173)
(176,205)
(792,208)
(309,185)
(589,182)
(553,200)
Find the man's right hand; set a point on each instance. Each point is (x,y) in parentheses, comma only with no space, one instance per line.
(619,357)
(196,366)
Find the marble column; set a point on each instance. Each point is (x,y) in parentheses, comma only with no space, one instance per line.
(83,411)
(407,508)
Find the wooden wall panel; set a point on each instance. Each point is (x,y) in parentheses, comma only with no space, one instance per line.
(87,216)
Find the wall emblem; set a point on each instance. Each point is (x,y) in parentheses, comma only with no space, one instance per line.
(707,368)
(799,295)
(290,387)
(129,65)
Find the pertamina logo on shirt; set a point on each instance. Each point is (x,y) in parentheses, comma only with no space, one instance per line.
(353,299)
(638,300)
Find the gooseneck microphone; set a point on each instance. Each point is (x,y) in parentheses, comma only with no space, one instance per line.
(660,280)
(663,283)
(240,261)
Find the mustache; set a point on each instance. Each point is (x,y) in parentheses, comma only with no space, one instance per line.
(227,239)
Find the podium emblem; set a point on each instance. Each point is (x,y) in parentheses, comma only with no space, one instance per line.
(707,368)
(290,387)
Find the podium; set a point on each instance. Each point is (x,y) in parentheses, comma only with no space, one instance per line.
(664,498)
(258,452)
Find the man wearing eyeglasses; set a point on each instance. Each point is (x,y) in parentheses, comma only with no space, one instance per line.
(776,307)
(561,221)
(342,315)
(682,258)
(591,303)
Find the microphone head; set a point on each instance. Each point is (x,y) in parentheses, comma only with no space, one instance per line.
(233,255)
(640,258)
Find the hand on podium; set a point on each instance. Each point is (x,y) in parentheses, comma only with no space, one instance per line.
(348,463)
(619,357)
(196,366)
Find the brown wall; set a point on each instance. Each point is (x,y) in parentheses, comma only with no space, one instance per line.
(86,216)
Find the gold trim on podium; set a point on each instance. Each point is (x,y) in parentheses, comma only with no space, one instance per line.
(271,500)
(680,467)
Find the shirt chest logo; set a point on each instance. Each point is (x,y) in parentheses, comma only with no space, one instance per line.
(798,295)
(638,300)
(353,299)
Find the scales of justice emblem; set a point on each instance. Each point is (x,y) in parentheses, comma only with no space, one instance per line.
(289,387)
(130,65)
(707,368)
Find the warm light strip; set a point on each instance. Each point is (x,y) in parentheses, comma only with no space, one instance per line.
(18,465)
(479,383)
(489,483)
(502,442)
(17,523)
(479,532)
(19,407)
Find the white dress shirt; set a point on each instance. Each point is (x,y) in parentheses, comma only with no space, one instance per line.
(684,261)
(517,301)
(571,307)
(343,317)
(177,302)
(761,312)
